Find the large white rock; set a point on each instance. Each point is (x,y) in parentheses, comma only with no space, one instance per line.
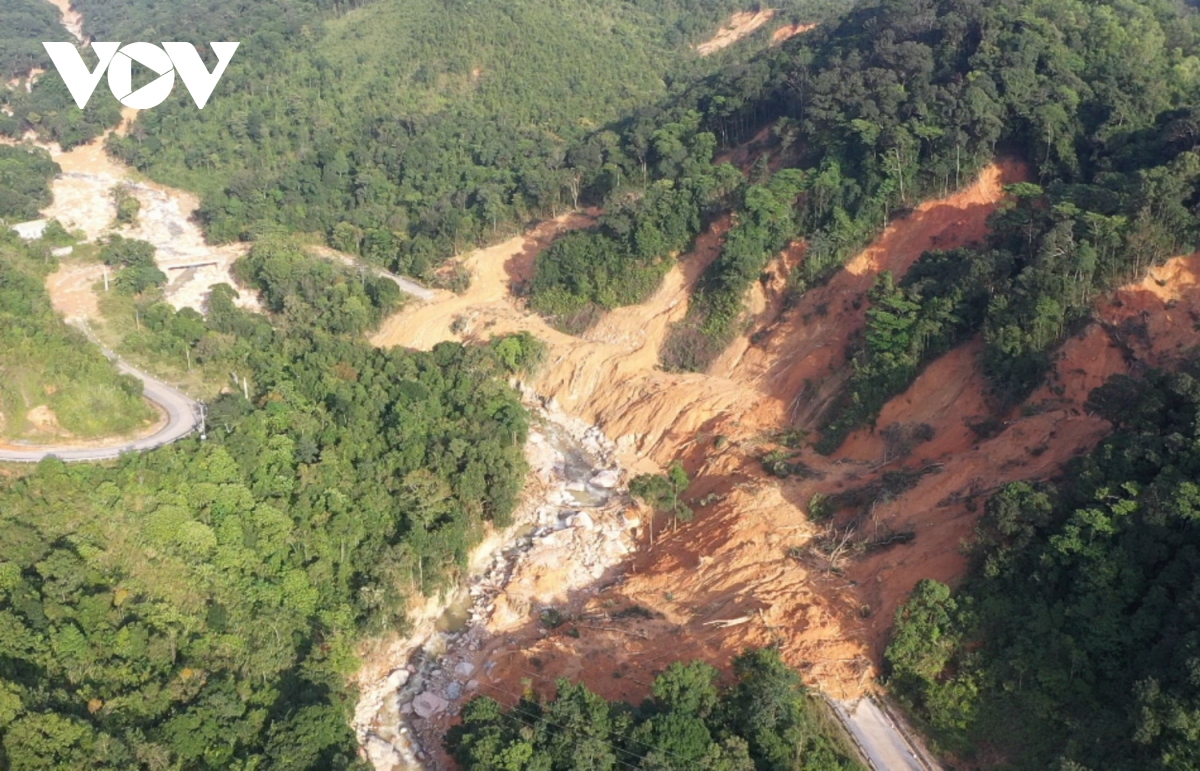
(397,679)
(382,754)
(429,704)
(606,479)
(581,520)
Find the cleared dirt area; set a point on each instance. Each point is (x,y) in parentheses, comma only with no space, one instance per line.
(71,19)
(740,25)
(746,572)
(788,31)
(610,376)
(72,291)
(83,200)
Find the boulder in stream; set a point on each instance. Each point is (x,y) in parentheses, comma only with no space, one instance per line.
(429,704)
(606,480)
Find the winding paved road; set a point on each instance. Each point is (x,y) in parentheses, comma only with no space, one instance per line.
(183,417)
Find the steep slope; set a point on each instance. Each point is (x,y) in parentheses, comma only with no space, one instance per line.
(754,568)
(725,580)
(55,384)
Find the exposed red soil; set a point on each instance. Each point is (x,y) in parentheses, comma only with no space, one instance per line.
(726,580)
(788,31)
(740,25)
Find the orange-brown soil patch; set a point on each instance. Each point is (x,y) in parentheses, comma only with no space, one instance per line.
(70,18)
(788,31)
(723,581)
(743,573)
(740,25)
(72,291)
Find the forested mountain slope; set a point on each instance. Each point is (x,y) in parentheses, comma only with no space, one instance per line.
(47,369)
(199,606)
(44,364)
(25,175)
(24,25)
(44,106)
(406,131)
(899,101)
(1075,642)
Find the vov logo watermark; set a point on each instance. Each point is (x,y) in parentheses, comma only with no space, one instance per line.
(165,62)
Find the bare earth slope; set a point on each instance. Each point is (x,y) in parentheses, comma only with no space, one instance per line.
(728,566)
(741,573)
(740,25)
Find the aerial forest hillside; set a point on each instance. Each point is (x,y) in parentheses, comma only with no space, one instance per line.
(200,606)
(48,370)
(406,131)
(52,379)
(892,104)
(25,175)
(1074,644)
(44,107)
(24,25)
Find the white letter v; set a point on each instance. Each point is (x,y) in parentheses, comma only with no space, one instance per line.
(74,72)
(199,81)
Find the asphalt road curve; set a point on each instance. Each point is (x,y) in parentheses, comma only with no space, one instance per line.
(183,417)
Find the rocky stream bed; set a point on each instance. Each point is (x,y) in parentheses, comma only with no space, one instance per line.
(571,529)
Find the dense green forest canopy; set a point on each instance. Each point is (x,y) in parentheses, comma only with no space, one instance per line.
(24,26)
(623,259)
(1074,645)
(764,721)
(46,363)
(405,131)
(905,99)
(25,174)
(198,606)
